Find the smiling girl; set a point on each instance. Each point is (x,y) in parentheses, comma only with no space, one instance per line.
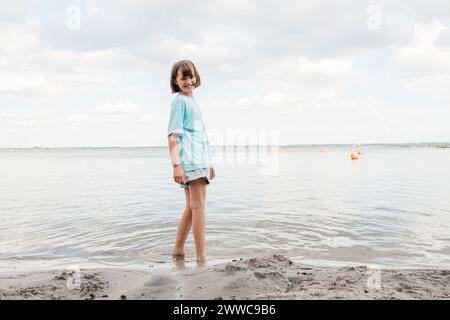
(190,154)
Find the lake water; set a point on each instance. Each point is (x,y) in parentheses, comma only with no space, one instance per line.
(120,207)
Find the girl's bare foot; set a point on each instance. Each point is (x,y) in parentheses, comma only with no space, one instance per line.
(201,258)
(178,253)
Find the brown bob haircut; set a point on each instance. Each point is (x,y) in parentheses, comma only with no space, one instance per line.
(188,69)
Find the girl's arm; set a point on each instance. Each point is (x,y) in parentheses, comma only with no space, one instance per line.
(178,173)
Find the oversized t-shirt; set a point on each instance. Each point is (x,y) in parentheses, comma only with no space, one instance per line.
(187,125)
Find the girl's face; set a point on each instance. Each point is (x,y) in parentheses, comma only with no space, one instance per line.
(186,84)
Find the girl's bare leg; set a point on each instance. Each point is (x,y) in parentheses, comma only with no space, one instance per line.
(184,226)
(197,190)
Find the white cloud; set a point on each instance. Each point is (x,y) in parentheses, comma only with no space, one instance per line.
(425,68)
(80,118)
(152,118)
(423,57)
(28,119)
(28,123)
(17,37)
(436,84)
(120,107)
(327,67)
(31,66)
(293,73)
(313,68)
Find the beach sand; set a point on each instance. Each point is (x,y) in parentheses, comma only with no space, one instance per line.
(265,277)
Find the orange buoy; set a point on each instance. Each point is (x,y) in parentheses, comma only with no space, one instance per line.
(354,156)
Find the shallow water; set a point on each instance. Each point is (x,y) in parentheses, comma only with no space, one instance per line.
(120,207)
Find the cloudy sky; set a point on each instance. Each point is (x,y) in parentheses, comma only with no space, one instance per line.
(96,73)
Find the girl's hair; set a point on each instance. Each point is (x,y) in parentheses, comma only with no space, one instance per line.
(186,67)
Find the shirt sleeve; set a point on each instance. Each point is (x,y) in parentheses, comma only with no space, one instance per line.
(177,113)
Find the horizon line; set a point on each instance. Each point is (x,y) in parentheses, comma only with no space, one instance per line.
(239,145)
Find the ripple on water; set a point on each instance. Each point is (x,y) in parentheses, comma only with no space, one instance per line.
(120,208)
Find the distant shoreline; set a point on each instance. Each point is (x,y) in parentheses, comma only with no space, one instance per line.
(443,145)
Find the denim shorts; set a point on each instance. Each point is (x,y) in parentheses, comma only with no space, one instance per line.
(194,175)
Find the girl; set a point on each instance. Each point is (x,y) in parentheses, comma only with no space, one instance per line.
(190,154)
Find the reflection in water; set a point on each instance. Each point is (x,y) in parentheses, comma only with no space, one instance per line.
(179,262)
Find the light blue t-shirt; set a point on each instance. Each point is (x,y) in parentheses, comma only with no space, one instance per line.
(187,125)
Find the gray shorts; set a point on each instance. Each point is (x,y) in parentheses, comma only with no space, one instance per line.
(194,175)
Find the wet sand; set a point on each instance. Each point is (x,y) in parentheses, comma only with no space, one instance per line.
(268,277)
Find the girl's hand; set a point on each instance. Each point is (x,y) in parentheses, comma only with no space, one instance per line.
(212,172)
(178,174)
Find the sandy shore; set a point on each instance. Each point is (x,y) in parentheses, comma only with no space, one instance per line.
(270,277)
